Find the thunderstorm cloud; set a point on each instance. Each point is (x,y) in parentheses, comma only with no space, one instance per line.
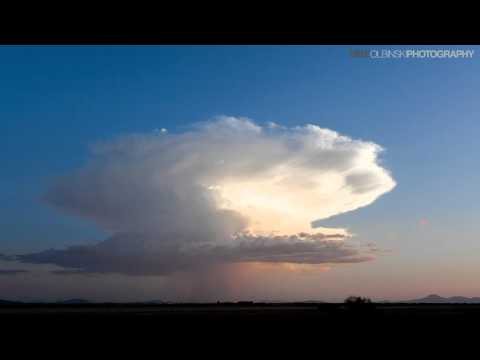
(225,191)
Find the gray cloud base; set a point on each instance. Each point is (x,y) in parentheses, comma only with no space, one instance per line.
(149,256)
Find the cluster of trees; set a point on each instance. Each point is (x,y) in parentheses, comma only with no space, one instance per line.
(359,303)
(357,300)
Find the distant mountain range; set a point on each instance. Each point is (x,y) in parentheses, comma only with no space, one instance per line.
(73,301)
(7,302)
(68,301)
(437,299)
(430,299)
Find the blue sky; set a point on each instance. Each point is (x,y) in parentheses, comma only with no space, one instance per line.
(56,100)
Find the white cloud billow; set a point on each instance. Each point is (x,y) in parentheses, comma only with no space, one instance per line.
(228,190)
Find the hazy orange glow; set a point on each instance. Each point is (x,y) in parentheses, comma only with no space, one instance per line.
(279,205)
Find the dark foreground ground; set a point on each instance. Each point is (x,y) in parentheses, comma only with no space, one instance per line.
(199,319)
(137,331)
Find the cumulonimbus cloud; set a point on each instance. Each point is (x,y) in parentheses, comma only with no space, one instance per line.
(227,190)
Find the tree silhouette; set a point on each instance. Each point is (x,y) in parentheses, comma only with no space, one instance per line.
(357,300)
(359,304)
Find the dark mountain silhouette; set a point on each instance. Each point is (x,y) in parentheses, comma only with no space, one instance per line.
(437,299)
(155,302)
(430,299)
(8,302)
(73,301)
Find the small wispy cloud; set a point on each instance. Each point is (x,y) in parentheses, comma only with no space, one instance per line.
(12,271)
